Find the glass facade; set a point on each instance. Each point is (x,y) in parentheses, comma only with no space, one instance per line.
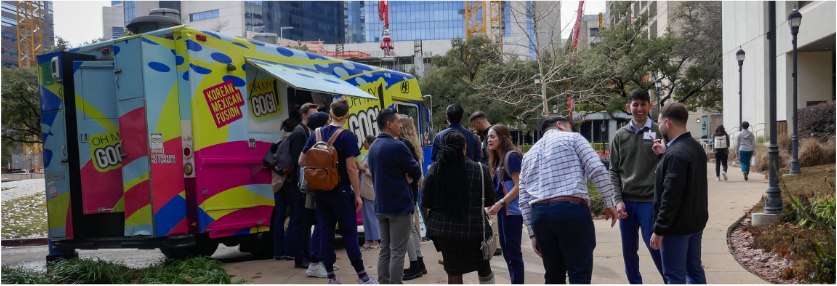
(310,20)
(200,16)
(130,11)
(415,20)
(356,21)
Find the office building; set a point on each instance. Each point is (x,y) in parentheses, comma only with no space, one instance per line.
(113,20)
(745,27)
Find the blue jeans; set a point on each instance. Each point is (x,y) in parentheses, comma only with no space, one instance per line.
(510,228)
(640,220)
(566,236)
(744,159)
(681,258)
(337,207)
(307,244)
(284,208)
(370,222)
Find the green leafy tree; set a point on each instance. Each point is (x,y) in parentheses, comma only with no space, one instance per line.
(22,119)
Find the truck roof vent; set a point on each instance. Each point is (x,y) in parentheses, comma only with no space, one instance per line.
(157,19)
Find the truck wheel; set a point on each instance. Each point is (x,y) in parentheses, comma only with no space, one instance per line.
(201,248)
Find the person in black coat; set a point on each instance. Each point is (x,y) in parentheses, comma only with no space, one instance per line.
(680,198)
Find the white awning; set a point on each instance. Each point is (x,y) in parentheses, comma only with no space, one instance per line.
(312,80)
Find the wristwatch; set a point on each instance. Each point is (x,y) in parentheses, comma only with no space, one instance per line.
(503,203)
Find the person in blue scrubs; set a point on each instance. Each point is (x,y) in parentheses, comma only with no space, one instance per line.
(505,160)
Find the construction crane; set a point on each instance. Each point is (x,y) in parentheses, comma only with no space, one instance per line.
(485,18)
(30,34)
(577,28)
(386,38)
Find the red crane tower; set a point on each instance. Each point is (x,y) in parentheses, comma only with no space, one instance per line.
(383,14)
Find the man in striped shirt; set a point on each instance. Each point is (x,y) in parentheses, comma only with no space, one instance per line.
(554,201)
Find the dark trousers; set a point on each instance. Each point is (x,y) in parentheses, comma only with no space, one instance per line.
(510,229)
(720,159)
(640,220)
(681,258)
(566,236)
(283,208)
(337,208)
(306,244)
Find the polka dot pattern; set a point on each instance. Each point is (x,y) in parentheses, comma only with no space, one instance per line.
(160,67)
(191,45)
(237,81)
(200,70)
(221,58)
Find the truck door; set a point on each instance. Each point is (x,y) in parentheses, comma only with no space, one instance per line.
(98,140)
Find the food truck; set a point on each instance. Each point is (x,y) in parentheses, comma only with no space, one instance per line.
(156,140)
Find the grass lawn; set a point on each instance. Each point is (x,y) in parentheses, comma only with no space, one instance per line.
(811,246)
(25,217)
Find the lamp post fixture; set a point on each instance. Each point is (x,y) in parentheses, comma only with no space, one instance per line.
(537,81)
(773,204)
(740,57)
(658,83)
(794,19)
(282,29)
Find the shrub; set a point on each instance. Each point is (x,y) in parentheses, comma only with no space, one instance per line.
(90,271)
(597,206)
(23,275)
(762,155)
(810,153)
(829,151)
(785,143)
(817,121)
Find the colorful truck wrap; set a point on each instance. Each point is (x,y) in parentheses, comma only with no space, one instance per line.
(164,145)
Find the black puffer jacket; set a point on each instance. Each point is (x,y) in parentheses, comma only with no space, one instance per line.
(680,195)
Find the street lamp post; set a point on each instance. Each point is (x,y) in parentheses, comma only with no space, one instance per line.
(658,83)
(773,204)
(740,57)
(794,19)
(282,29)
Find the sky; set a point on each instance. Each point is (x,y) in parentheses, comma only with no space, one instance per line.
(81,21)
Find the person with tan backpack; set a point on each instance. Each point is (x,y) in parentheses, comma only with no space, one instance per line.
(328,167)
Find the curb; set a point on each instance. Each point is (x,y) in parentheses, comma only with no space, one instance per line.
(24,241)
(732,227)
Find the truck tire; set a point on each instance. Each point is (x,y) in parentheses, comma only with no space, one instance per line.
(202,247)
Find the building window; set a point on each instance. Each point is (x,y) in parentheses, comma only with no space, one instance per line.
(594,32)
(9,64)
(9,36)
(200,16)
(130,11)
(117,32)
(9,8)
(9,22)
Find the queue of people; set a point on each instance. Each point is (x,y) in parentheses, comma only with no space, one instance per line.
(655,187)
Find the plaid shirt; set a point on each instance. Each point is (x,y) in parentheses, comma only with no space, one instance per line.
(559,165)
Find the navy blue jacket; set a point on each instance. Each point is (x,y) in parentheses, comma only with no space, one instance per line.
(389,159)
(473,151)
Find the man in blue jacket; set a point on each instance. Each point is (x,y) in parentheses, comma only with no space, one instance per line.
(393,169)
(454,114)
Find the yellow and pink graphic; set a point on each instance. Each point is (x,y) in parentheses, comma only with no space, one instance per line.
(224,102)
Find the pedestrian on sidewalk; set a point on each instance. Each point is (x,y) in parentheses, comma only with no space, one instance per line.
(720,140)
(284,208)
(410,139)
(631,172)
(453,114)
(680,198)
(339,207)
(393,169)
(367,194)
(306,246)
(455,189)
(554,201)
(480,123)
(746,146)
(505,159)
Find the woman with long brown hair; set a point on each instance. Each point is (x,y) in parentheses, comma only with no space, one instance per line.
(410,138)
(505,160)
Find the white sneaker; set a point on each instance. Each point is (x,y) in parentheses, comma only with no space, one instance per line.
(717,179)
(336,267)
(371,281)
(334,281)
(725,175)
(317,271)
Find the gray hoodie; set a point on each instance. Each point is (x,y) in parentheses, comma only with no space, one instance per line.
(746,141)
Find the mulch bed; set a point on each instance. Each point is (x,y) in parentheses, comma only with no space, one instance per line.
(770,266)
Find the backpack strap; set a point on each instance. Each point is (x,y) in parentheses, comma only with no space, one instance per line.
(333,136)
(318,135)
(506,162)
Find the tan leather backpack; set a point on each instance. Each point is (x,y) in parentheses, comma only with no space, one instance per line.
(320,170)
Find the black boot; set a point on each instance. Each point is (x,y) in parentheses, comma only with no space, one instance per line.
(413,272)
(421,265)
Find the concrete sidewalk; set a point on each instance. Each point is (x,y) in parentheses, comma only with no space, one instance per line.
(727,203)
